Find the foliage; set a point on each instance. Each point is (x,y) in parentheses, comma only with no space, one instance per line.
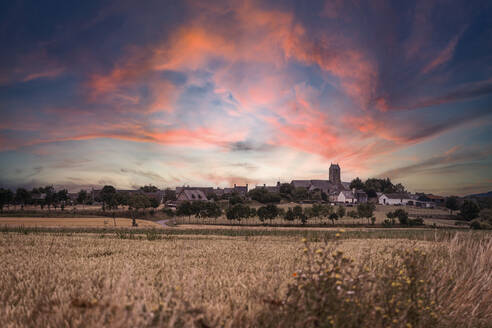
(268,212)
(238,212)
(235,198)
(341,211)
(263,196)
(6,197)
(82,196)
(469,210)
(149,188)
(357,184)
(452,203)
(107,196)
(366,210)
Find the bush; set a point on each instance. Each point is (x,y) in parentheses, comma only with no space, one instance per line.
(332,291)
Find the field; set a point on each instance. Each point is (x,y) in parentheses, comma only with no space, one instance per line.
(75,222)
(183,277)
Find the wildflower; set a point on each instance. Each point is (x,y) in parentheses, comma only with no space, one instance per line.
(395,321)
(378,308)
(351,292)
(304,240)
(337,235)
(409,281)
(305,250)
(341,230)
(319,251)
(409,325)
(338,282)
(337,275)
(421,281)
(294,274)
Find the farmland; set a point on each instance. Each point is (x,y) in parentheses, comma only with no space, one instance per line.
(184,277)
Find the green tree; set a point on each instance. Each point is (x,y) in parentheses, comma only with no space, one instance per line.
(341,211)
(184,209)
(268,212)
(22,197)
(154,202)
(469,210)
(300,194)
(402,216)
(238,212)
(289,215)
(452,204)
(365,210)
(107,194)
(299,214)
(333,217)
(82,197)
(149,188)
(6,198)
(356,183)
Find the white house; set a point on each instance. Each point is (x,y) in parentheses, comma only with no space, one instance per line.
(346,197)
(395,199)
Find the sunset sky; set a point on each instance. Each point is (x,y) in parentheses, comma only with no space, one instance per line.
(220,92)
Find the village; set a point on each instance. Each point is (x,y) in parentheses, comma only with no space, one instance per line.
(333,191)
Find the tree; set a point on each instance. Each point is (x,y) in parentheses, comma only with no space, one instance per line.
(299,194)
(154,202)
(469,210)
(402,216)
(452,204)
(356,184)
(50,197)
(341,211)
(61,197)
(238,212)
(268,212)
(333,217)
(366,210)
(82,197)
(299,214)
(169,195)
(184,209)
(107,193)
(289,215)
(235,199)
(6,197)
(263,196)
(22,197)
(391,217)
(352,214)
(149,188)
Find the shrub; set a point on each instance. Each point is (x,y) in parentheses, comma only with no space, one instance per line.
(332,291)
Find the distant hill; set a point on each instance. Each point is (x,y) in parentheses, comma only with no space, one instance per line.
(484,194)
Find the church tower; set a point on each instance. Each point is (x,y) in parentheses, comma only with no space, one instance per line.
(335,174)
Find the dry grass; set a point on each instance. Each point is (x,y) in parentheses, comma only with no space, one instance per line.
(89,280)
(74,222)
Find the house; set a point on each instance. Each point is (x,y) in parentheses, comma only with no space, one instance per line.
(346,197)
(436,200)
(395,199)
(270,188)
(191,195)
(360,196)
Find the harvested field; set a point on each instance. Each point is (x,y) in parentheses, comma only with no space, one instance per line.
(75,222)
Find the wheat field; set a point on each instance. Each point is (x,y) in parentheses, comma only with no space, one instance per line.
(91,280)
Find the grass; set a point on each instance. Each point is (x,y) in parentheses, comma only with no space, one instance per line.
(244,278)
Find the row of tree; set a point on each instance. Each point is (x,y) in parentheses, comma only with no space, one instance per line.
(23,197)
(241,211)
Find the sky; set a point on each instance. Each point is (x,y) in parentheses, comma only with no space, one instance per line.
(214,93)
